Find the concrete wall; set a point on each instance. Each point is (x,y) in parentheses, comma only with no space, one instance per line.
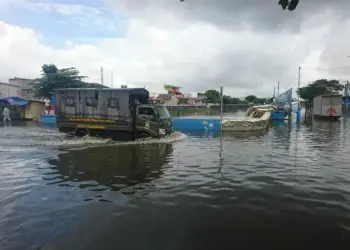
(8,90)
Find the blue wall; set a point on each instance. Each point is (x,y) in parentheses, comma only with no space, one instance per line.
(193,123)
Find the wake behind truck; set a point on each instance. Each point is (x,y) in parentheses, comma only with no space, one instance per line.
(122,114)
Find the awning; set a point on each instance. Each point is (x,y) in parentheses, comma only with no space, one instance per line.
(19,102)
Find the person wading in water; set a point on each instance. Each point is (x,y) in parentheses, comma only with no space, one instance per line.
(6,114)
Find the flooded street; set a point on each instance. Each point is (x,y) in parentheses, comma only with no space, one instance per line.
(285,188)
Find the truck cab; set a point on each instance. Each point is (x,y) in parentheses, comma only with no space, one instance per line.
(153,120)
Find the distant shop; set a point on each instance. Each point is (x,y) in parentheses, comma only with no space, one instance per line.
(22,109)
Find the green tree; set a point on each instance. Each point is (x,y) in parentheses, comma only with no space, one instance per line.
(286,4)
(260,101)
(251,99)
(235,100)
(320,87)
(269,100)
(54,78)
(213,96)
(227,99)
(231,100)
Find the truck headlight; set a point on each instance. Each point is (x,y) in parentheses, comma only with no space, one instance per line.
(162,131)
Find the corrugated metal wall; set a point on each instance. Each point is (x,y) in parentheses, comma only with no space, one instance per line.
(316,107)
(99,104)
(331,105)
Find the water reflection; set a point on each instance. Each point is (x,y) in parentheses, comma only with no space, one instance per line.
(285,188)
(225,134)
(324,125)
(244,134)
(111,166)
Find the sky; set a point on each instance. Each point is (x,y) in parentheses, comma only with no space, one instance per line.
(246,46)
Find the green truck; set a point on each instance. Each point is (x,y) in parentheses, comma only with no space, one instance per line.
(122,114)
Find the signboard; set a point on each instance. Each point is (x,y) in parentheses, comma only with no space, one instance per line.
(172,89)
(124,86)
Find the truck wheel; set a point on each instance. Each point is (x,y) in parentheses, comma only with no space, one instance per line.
(142,135)
(81,133)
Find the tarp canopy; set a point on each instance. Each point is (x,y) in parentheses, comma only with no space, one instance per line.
(14,100)
(285,97)
(19,102)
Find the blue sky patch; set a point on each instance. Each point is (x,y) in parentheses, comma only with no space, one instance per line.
(74,20)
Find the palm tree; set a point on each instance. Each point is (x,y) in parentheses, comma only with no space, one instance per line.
(54,78)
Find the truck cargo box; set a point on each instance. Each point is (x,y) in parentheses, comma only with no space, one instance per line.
(327,106)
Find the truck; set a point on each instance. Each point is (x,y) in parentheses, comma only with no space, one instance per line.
(327,106)
(122,114)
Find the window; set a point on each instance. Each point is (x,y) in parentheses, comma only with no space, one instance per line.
(70,101)
(91,102)
(147,114)
(113,103)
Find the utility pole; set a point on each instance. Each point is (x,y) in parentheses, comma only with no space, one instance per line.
(299,109)
(221,106)
(347,96)
(101,75)
(278,94)
(112,79)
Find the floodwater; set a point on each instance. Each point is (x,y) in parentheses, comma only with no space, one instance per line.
(284,188)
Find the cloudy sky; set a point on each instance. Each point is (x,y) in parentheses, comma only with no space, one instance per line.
(247,46)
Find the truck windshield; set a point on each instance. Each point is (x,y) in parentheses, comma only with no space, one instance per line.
(162,111)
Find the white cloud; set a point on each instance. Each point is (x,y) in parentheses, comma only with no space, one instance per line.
(195,55)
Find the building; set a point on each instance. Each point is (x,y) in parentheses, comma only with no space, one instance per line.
(26,90)
(175,100)
(7,89)
(167,99)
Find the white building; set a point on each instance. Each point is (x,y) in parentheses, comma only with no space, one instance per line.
(7,89)
(25,86)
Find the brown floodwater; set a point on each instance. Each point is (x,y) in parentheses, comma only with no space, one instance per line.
(284,188)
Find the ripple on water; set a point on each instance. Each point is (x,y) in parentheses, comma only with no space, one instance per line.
(230,190)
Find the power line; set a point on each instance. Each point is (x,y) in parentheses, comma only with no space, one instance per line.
(344,67)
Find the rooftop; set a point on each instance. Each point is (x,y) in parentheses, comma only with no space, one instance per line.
(5,83)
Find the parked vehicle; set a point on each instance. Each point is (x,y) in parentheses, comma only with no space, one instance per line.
(327,106)
(117,113)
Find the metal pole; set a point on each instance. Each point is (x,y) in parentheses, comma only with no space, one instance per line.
(278,94)
(299,86)
(347,96)
(299,109)
(112,79)
(222,102)
(101,75)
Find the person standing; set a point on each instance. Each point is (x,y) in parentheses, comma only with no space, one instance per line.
(47,105)
(6,114)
